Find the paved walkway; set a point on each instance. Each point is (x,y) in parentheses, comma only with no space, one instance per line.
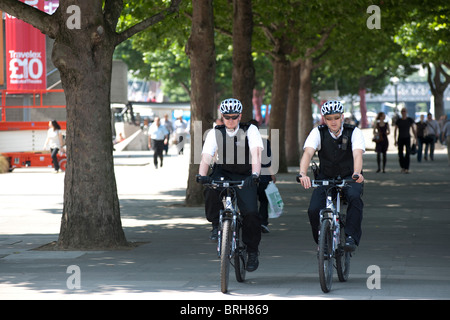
(405,232)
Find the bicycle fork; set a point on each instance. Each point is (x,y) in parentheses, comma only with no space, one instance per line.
(332,213)
(227,214)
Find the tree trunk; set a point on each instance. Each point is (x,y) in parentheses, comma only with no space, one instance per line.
(438,104)
(306,120)
(201,51)
(243,75)
(362,104)
(281,75)
(91,213)
(292,112)
(438,88)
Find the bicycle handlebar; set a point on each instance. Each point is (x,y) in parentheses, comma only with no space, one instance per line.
(333,182)
(225,184)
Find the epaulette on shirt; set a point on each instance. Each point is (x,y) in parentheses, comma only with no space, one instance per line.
(349,126)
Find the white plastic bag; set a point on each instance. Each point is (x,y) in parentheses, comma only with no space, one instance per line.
(276,204)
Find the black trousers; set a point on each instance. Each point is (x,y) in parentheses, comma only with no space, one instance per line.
(158,148)
(54,158)
(352,193)
(403,159)
(248,205)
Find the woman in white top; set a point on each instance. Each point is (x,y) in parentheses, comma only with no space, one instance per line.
(54,141)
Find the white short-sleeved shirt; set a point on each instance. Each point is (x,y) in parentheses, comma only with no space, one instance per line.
(254,139)
(313,140)
(157,133)
(53,138)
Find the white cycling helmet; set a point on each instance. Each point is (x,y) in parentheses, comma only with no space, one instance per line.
(332,107)
(230,106)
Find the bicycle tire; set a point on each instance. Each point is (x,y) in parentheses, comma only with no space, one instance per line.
(343,264)
(342,257)
(240,256)
(325,256)
(225,256)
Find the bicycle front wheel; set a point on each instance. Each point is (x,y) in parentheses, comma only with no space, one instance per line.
(325,256)
(225,255)
(240,256)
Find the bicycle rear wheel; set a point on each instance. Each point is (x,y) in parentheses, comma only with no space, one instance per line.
(343,264)
(325,256)
(225,255)
(240,256)
(342,257)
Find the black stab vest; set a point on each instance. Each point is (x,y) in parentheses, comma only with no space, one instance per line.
(335,155)
(233,153)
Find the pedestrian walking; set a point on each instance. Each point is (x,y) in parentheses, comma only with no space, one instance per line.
(180,127)
(54,141)
(403,126)
(433,132)
(168,124)
(157,137)
(381,131)
(421,126)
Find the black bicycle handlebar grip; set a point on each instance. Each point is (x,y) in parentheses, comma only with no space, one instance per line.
(202,179)
(355,176)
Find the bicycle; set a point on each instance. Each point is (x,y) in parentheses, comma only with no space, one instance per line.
(332,233)
(230,248)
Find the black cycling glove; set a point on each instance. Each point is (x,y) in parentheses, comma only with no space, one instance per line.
(251,181)
(202,179)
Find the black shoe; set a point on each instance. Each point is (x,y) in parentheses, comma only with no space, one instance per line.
(264,229)
(214,234)
(252,261)
(350,244)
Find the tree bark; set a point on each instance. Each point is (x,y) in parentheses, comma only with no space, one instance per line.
(438,87)
(243,74)
(201,51)
(306,121)
(292,117)
(363,107)
(281,75)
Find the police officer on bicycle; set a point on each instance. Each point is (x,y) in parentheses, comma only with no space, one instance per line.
(340,149)
(238,147)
